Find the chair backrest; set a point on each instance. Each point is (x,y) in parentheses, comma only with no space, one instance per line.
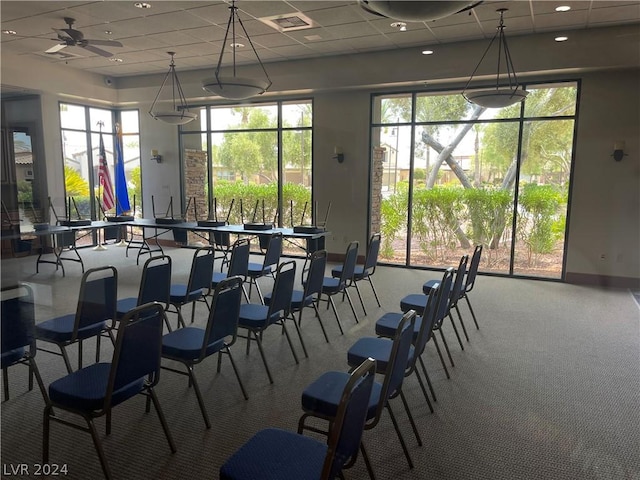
(224,313)
(428,319)
(136,356)
(315,274)
(18,319)
(280,304)
(239,263)
(155,284)
(442,305)
(201,270)
(397,364)
(371,260)
(461,272)
(346,430)
(349,265)
(97,299)
(473,269)
(274,250)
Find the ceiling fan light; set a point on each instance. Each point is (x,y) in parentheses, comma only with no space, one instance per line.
(235,88)
(180,113)
(496,97)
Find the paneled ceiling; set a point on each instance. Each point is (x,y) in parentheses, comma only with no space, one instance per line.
(195,30)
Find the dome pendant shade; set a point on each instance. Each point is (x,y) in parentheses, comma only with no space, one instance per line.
(499,96)
(232,86)
(235,88)
(180,113)
(413,11)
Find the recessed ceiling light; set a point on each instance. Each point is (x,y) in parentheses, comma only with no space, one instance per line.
(400,26)
(116,60)
(561,39)
(563,8)
(142,5)
(9,32)
(236,45)
(108,32)
(427,52)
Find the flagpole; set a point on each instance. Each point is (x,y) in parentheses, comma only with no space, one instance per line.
(117,158)
(100,247)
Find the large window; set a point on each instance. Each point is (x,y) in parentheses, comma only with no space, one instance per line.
(259,161)
(82,128)
(455,174)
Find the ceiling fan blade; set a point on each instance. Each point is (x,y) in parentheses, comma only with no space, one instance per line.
(97,50)
(75,34)
(106,43)
(56,48)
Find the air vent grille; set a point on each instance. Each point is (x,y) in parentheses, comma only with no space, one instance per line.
(289,22)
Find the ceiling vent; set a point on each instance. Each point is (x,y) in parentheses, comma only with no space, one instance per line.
(289,22)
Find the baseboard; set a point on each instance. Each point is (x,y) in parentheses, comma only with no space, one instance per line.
(602,280)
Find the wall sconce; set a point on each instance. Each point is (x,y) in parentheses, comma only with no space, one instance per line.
(618,150)
(338,155)
(155,156)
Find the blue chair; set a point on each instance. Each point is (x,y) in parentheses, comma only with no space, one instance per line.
(155,286)
(257,318)
(471,279)
(94,391)
(321,398)
(17,335)
(191,345)
(197,287)
(268,265)
(366,271)
(309,296)
(95,314)
(454,296)
(238,265)
(274,454)
(332,286)
(387,325)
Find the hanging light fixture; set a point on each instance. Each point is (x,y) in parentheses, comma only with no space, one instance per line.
(498,97)
(180,113)
(234,87)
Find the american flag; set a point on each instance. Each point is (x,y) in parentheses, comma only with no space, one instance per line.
(108,198)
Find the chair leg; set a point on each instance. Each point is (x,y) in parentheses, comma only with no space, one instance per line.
(264,358)
(400,437)
(333,306)
(295,324)
(98,444)
(446,347)
(424,390)
(46,427)
(464,330)
(65,357)
(286,332)
(79,354)
(355,284)
(163,420)
(324,332)
(196,387)
(260,296)
(413,424)
(367,462)
(235,369)
(473,315)
(444,365)
(355,315)
(375,293)
(426,375)
(455,329)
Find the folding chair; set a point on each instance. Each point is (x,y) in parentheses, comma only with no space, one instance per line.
(17,335)
(276,454)
(269,263)
(197,287)
(94,391)
(366,271)
(257,318)
(321,398)
(95,315)
(155,286)
(191,345)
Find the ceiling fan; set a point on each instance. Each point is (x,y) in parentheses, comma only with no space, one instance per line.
(70,37)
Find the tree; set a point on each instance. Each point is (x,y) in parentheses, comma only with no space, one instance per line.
(74,184)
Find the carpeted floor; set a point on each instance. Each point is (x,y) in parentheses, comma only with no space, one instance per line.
(548,388)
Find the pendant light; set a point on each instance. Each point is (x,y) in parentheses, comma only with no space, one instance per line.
(180,113)
(497,97)
(232,86)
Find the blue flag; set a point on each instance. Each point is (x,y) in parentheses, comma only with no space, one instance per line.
(122,195)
